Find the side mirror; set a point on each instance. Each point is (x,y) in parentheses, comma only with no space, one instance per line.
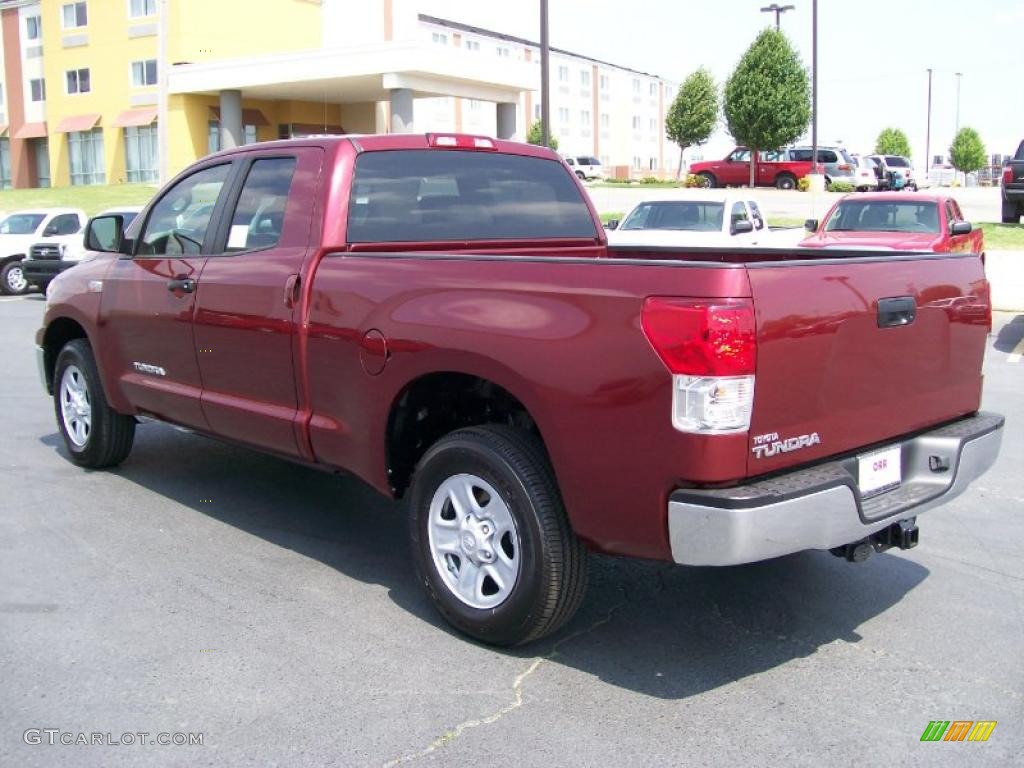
(105,234)
(811,225)
(612,224)
(961,228)
(742,227)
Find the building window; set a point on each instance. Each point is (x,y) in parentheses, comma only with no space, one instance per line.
(604,82)
(585,117)
(563,115)
(85,151)
(636,122)
(653,165)
(472,45)
(137,8)
(33,27)
(606,120)
(654,89)
(563,74)
(536,111)
(74,15)
(636,85)
(213,136)
(37,89)
(654,125)
(474,105)
(637,163)
(78,80)
(439,37)
(503,53)
(140,157)
(584,79)
(143,73)
(5,163)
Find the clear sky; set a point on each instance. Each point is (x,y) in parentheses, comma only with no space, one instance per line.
(873,56)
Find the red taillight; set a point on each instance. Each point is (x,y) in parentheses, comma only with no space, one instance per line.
(845,167)
(702,337)
(460,141)
(1008,175)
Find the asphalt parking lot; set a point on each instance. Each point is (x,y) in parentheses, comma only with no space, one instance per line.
(202,588)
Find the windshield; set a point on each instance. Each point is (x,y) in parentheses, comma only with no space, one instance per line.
(588,161)
(896,161)
(21,223)
(884,216)
(695,216)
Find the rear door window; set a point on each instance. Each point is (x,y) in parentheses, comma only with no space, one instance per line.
(258,218)
(452,195)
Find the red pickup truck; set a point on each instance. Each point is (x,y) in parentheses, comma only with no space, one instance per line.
(773,168)
(441,316)
(904,221)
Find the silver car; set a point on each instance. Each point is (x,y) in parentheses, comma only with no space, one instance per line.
(837,165)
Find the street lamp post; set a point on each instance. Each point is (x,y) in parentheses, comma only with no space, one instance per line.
(778,10)
(958,76)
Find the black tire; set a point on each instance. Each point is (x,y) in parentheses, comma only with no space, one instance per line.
(1011,212)
(707,180)
(110,436)
(581,175)
(12,279)
(785,181)
(552,569)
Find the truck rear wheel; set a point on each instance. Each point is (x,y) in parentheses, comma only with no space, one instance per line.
(785,181)
(707,180)
(490,537)
(1011,212)
(95,434)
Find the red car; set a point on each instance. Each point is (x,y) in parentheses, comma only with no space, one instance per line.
(441,316)
(902,221)
(773,169)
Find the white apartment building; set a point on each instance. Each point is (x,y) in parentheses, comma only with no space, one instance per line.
(597,108)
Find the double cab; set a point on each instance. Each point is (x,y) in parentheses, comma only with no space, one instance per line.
(442,316)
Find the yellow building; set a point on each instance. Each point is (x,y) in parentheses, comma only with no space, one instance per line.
(112,91)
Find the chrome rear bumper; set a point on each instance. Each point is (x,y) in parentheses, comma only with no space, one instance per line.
(821,507)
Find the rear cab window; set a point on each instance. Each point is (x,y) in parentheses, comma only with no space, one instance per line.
(435,195)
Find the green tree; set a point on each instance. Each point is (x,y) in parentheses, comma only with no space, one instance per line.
(693,113)
(892,141)
(767,99)
(967,152)
(536,136)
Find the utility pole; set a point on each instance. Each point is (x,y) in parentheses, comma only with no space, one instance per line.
(814,87)
(928,130)
(778,10)
(545,89)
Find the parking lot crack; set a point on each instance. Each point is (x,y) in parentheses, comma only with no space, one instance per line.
(517,689)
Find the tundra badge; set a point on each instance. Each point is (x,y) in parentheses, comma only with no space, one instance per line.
(768,445)
(156,370)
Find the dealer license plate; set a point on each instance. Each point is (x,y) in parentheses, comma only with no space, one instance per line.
(879,471)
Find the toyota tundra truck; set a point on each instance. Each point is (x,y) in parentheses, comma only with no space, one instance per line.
(1013,187)
(441,316)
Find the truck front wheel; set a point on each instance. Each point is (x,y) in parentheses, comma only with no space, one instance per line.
(490,537)
(12,279)
(95,434)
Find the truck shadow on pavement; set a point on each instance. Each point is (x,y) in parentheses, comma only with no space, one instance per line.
(1009,335)
(657,629)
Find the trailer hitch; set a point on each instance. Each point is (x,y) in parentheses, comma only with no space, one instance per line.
(903,535)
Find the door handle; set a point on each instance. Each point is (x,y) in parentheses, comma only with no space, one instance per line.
(896,312)
(183,284)
(291,290)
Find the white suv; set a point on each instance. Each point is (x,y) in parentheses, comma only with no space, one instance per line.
(22,229)
(585,166)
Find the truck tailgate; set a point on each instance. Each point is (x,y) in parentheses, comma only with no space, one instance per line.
(831,379)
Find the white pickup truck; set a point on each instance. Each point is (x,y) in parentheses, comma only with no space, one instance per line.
(714,219)
(22,229)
